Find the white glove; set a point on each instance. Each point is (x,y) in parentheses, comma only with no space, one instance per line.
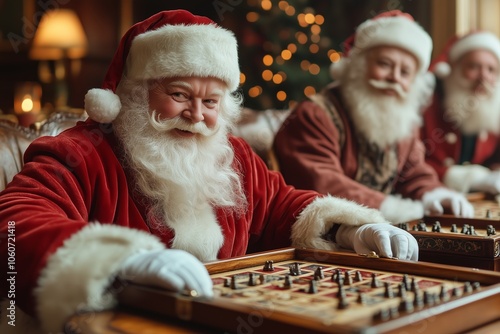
(490,183)
(383,239)
(172,269)
(400,210)
(436,200)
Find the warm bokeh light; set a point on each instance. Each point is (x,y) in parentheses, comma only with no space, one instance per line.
(283,5)
(281,95)
(315,38)
(319,19)
(267,75)
(301,37)
(315,29)
(304,65)
(290,11)
(266,4)
(267,60)
(27,104)
(309,18)
(301,19)
(314,69)
(309,90)
(255,91)
(292,47)
(314,48)
(286,54)
(277,78)
(252,17)
(334,56)
(243,78)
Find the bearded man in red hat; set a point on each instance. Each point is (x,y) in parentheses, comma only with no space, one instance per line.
(153,184)
(358,138)
(461,129)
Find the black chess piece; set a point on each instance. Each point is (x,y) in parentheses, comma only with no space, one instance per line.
(269,266)
(488,213)
(318,274)
(234,284)
(490,230)
(418,300)
(401,291)
(347,278)
(227,282)
(375,282)
(288,282)
(443,294)
(362,299)
(465,229)
(467,287)
(295,269)
(251,279)
(453,228)
(405,281)
(428,298)
(436,227)
(406,305)
(313,288)
(388,293)
(357,276)
(343,304)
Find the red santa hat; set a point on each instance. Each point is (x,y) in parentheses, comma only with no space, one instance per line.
(458,46)
(391,28)
(168,44)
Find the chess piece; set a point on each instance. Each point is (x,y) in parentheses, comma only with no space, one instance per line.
(269,266)
(453,228)
(401,291)
(347,278)
(357,276)
(362,299)
(234,284)
(406,305)
(421,226)
(476,286)
(488,213)
(428,298)
(251,279)
(436,227)
(288,282)
(467,287)
(295,269)
(418,300)
(227,283)
(313,288)
(455,292)
(414,285)
(388,293)
(490,230)
(382,314)
(465,229)
(341,292)
(405,282)
(318,274)
(343,304)
(443,294)
(375,282)
(472,230)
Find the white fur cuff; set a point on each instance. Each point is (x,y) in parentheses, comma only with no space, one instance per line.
(85,265)
(319,216)
(462,178)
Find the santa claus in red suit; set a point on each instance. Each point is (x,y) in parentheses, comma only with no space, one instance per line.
(461,129)
(153,185)
(358,138)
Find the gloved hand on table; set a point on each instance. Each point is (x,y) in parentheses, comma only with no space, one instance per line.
(172,269)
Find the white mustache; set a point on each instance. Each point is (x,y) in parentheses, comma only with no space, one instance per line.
(180,124)
(382,84)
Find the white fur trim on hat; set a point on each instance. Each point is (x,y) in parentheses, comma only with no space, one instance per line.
(480,40)
(85,264)
(102,105)
(319,216)
(395,31)
(185,50)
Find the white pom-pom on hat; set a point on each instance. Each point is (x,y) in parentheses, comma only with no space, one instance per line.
(102,105)
(338,68)
(442,69)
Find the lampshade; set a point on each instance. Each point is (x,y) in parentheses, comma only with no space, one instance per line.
(59,35)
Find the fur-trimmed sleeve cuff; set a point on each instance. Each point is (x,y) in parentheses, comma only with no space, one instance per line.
(79,272)
(318,218)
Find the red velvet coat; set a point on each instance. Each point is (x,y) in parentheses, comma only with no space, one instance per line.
(77,178)
(443,141)
(311,157)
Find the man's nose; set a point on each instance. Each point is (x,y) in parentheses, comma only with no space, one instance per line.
(195,111)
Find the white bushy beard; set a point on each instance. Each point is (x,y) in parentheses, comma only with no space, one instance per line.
(471,113)
(382,120)
(184,177)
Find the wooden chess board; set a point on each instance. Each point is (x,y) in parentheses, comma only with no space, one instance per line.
(310,291)
(471,242)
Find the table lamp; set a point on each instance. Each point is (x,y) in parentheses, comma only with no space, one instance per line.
(59,36)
